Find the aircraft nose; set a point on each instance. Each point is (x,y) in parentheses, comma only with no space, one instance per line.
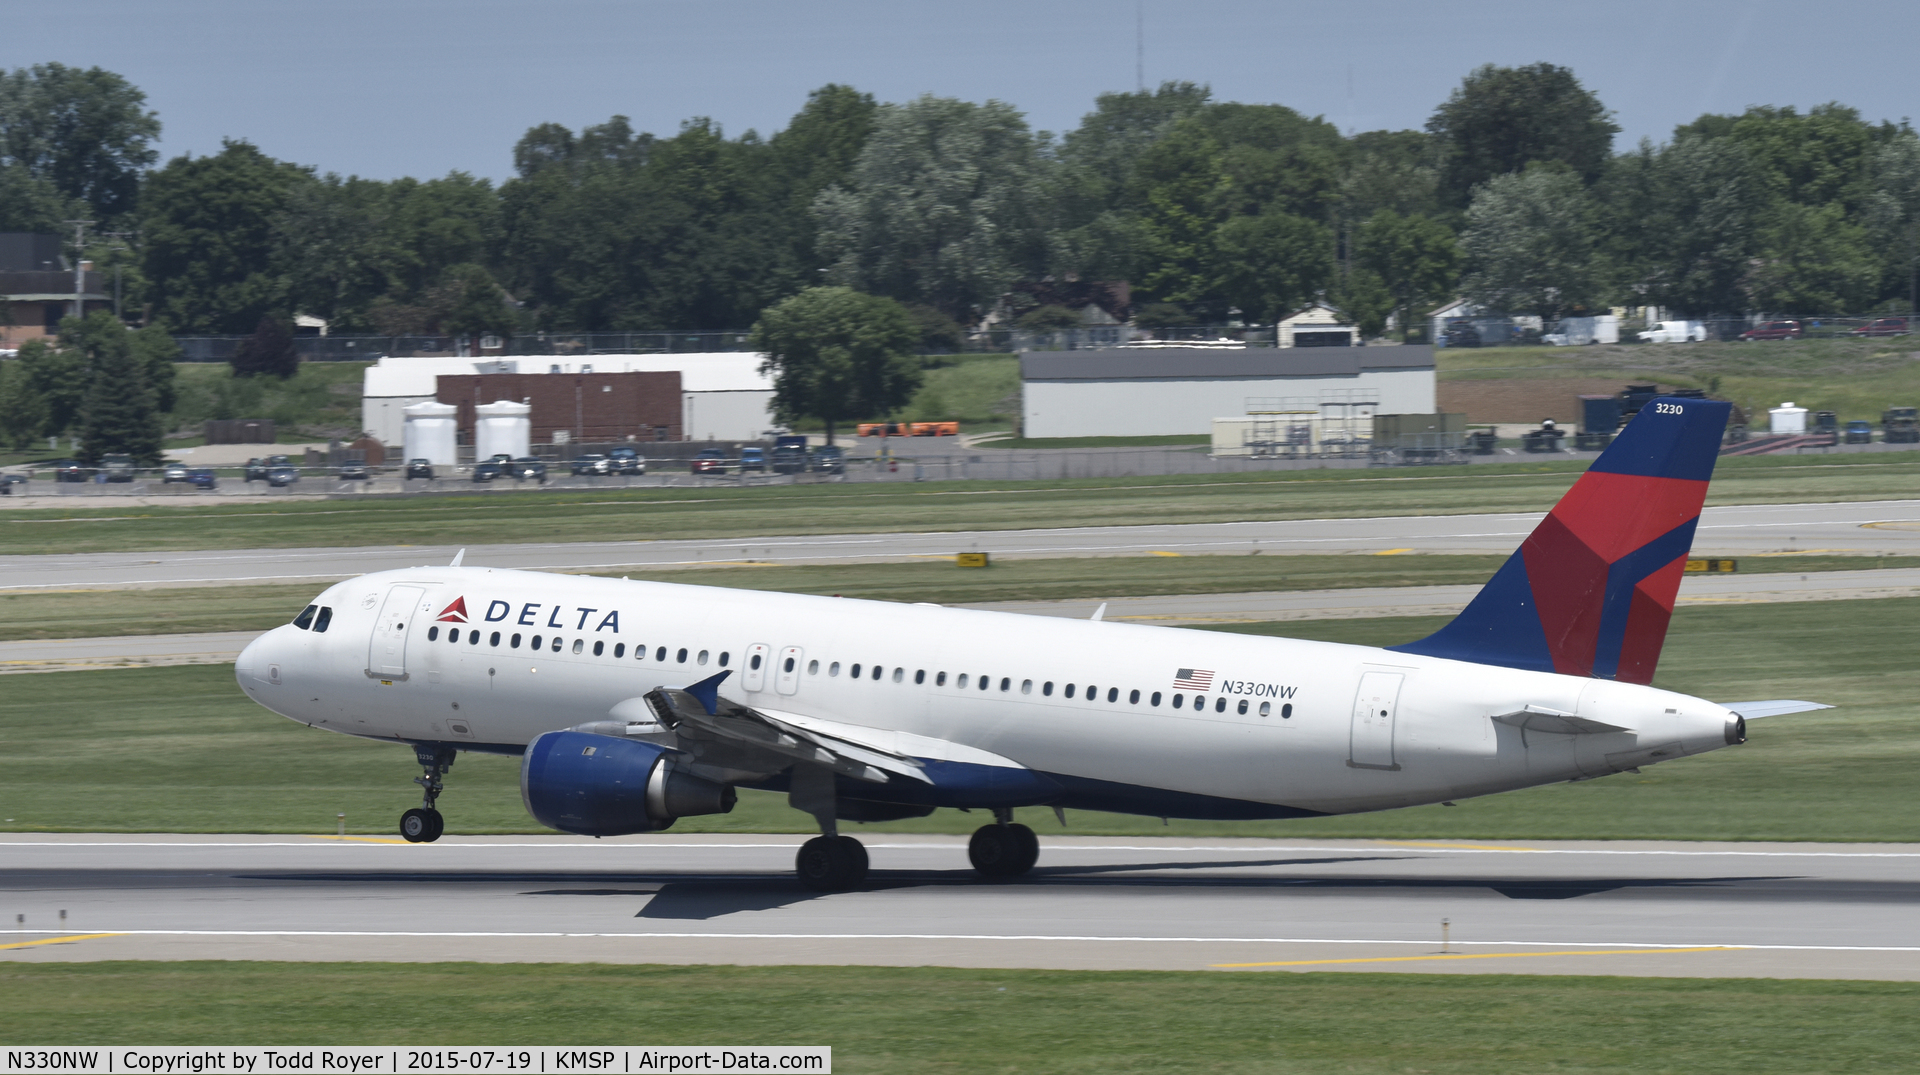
(252,663)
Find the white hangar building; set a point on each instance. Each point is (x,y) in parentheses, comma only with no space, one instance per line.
(1178,391)
(723,394)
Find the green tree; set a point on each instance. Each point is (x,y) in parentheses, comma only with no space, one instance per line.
(1817,262)
(1685,222)
(119,414)
(1502,119)
(837,354)
(1530,243)
(942,207)
(209,238)
(28,203)
(268,351)
(56,377)
(23,412)
(158,354)
(1272,264)
(86,133)
(1414,257)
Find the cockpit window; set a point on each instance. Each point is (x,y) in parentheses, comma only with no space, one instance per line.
(321,621)
(305,619)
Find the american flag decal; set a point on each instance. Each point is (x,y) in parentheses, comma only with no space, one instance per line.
(1193,679)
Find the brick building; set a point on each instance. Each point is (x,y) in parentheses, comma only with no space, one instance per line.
(574,408)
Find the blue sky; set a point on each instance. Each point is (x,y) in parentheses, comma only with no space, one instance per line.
(385,88)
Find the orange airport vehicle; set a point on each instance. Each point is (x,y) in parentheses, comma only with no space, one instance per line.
(909,429)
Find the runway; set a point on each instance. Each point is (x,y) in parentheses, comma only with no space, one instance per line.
(1653,909)
(1870,528)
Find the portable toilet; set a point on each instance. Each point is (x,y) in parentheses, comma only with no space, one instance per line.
(502,428)
(430,432)
(1787,418)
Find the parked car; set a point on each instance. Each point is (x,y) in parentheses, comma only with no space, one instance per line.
(203,478)
(829,459)
(418,468)
(68,470)
(710,461)
(526,468)
(591,465)
(1461,333)
(174,472)
(8,481)
(283,475)
(1773,330)
(1674,332)
(1859,432)
(488,470)
(355,472)
(789,455)
(627,461)
(119,468)
(753,459)
(1883,326)
(256,470)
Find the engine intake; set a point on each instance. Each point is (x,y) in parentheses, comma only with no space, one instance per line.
(597,785)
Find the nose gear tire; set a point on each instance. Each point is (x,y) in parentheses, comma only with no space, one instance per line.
(421,826)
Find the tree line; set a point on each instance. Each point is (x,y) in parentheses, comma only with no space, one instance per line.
(1513,195)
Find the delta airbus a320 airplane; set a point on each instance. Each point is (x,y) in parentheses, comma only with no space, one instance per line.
(636,703)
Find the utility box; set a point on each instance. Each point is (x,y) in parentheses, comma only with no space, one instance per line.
(1599,414)
(1391,430)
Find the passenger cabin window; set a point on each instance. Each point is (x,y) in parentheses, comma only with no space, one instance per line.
(1266,708)
(985,682)
(1155,700)
(961,682)
(940,680)
(1026,686)
(702,659)
(876,672)
(854,671)
(724,658)
(321,621)
(433,634)
(813,668)
(680,657)
(304,621)
(833,669)
(920,676)
(619,649)
(1133,698)
(473,638)
(660,654)
(1093,693)
(537,640)
(599,648)
(493,639)
(1046,689)
(1243,707)
(556,643)
(514,642)
(788,665)
(1005,683)
(1179,700)
(1220,705)
(754,663)
(1113,694)
(1069,691)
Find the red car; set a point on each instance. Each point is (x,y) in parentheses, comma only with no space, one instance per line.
(710,461)
(1773,330)
(1884,326)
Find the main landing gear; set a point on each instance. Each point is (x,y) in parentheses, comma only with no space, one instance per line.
(423,824)
(1003,849)
(829,862)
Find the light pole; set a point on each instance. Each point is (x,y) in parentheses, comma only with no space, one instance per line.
(79,274)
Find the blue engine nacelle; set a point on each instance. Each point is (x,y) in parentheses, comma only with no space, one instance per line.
(597,785)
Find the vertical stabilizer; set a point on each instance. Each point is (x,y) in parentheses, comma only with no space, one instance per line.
(1591,590)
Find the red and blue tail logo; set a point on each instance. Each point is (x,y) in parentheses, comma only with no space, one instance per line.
(1592,589)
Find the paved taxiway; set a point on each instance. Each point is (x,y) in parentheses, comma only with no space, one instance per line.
(134,651)
(1665,909)
(1890,527)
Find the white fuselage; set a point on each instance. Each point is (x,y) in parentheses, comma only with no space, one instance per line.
(1285,725)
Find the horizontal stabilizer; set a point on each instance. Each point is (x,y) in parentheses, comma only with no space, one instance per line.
(1779,707)
(1535,718)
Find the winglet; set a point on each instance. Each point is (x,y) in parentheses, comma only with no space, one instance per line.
(457,557)
(1100,612)
(708,691)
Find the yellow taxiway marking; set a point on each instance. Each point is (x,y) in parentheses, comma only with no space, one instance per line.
(60,940)
(1457,847)
(1162,552)
(1489,955)
(359,839)
(1392,552)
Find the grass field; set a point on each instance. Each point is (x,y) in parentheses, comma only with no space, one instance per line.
(947,1020)
(1853,378)
(93,613)
(180,750)
(729,514)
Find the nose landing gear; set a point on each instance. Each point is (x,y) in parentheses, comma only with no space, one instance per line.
(423,824)
(1003,849)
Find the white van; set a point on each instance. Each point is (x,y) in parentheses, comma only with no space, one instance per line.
(1674,332)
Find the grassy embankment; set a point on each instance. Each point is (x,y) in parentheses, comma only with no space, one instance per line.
(934,1019)
(95,613)
(1856,379)
(729,514)
(179,749)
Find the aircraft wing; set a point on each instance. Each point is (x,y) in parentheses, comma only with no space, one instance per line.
(1779,707)
(701,708)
